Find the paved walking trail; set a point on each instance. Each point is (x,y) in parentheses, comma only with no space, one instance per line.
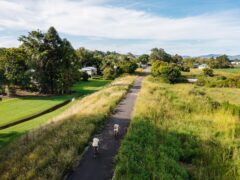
(102,167)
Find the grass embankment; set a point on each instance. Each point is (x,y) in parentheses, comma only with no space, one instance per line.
(12,110)
(80,89)
(179,133)
(50,152)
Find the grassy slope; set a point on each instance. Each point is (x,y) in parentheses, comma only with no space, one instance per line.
(48,153)
(82,88)
(178,134)
(14,109)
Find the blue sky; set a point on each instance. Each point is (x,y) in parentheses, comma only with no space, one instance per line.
(186,27)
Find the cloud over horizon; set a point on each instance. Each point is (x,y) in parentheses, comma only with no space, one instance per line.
(106,26)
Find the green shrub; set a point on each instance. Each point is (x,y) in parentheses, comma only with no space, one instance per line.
(108,73)
(185,68)
(221,82)
(169,72)
(85,76)
(208,72)
(128,67)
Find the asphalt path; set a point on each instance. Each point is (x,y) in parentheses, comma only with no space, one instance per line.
(102,167)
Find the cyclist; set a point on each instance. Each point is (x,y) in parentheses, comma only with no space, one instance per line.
(95,146)
(116,130)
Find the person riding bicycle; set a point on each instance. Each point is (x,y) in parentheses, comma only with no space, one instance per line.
(95,145)
(116,129)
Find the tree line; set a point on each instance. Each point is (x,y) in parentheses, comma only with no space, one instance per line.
(169,67)
(46,63)
(215,63)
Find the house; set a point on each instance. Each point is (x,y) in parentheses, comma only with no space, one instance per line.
(91,71)
(202,66)
(142,65)
(235,62)
(192,80)
(195,65)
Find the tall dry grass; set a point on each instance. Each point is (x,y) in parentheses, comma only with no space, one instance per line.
(178,134)
(51,151)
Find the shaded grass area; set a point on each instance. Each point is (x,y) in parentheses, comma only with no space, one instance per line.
(50,152)
(12,133)
(179,134)
(12,110)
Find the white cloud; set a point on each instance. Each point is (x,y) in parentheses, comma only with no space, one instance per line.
(95,18)
(8,41)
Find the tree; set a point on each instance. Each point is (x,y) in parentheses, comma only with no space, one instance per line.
(159,55)
(13,69)
(52,60)
(177,59)
(220,62)
(108,73)
(85,76)
(208,72)
(127,65)
(89,58)
(169,72)
(155,69)
(189,61)
(143,59)
(223,61)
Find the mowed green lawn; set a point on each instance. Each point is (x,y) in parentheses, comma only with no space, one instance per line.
(12,110)
(81,89)
(234,70)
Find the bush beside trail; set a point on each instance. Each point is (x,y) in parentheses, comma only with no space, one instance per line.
(169,72)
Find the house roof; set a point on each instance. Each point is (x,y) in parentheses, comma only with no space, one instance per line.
(89,68)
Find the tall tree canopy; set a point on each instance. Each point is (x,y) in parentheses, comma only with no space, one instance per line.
(143,59)
(159,55)
(13,68)
(52,59)
(220,62)
(89,58)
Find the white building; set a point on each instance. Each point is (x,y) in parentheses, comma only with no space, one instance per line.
(235,62)
(202,66)
(90,70)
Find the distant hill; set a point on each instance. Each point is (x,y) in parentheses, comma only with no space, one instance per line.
(217,55)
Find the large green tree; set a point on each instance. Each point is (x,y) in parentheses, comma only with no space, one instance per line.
(220,62)
(159,55)
(143,59)
(52,59)
(177,59)
(89,58)
(13,69)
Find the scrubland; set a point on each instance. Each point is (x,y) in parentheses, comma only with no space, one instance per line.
(181,131)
